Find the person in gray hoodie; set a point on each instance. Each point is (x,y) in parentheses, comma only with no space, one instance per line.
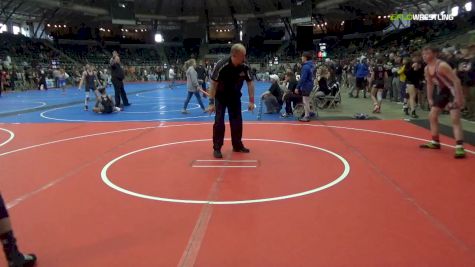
(192,85)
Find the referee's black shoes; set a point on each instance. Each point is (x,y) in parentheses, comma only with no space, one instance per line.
(217,154)
(241,150)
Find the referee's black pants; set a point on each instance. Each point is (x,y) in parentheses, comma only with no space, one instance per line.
(119,92)
(235,119)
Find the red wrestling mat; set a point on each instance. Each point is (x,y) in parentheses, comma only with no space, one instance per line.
(346,193)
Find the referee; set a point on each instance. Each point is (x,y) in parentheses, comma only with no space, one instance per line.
(118,80)
(225,92)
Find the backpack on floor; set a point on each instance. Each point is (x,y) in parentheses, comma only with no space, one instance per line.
(361,116)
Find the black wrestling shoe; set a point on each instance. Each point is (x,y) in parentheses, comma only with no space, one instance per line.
(217,154)
(414,115)
(241,150)
(23,260)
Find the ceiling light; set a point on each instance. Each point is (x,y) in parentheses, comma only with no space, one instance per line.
(468,6)
(158,38)
(455,11)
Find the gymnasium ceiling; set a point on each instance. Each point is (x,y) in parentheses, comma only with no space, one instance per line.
(218,11)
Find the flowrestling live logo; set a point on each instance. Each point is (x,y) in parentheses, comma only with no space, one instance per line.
(421,17)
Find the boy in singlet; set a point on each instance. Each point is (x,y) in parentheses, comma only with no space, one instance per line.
(448,95)
(379,76)
(89,76)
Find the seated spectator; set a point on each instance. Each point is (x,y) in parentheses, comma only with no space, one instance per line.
(322,80)
(273,97)
(290,98)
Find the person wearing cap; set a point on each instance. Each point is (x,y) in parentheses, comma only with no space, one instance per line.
(273,97)
(305,85)
(227,80)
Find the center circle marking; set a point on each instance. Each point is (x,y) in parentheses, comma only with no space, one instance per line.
(339,179)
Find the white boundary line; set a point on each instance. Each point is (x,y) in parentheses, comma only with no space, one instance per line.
(108,182)
(42,104)
(159,111)
(142,120)
(42,114)
(208,123)
(12,135)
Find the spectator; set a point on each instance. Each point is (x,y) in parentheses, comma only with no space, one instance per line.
(273,97)
(290,98)
(192,85)
(305,84)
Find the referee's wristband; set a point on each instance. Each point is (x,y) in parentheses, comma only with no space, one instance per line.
(211,101)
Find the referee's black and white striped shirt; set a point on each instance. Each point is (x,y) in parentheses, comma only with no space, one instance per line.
(230,78)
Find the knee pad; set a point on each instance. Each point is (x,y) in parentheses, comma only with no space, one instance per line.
(87,94)
(3,209)
(379,96)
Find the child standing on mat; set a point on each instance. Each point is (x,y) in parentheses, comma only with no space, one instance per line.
(172,76)
(89,76)
(63,76)
(379,77)
(193,86)
(448,95)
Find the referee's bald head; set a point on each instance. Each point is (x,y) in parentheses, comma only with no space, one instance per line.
(238,48)
(238,54)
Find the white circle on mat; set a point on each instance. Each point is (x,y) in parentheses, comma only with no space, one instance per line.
(340,178)
(10,138)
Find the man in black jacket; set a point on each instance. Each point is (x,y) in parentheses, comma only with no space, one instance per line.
(118,80)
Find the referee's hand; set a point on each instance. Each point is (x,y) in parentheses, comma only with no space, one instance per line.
(251,106)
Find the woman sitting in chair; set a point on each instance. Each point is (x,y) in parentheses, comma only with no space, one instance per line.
(290,98)
(322,79)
